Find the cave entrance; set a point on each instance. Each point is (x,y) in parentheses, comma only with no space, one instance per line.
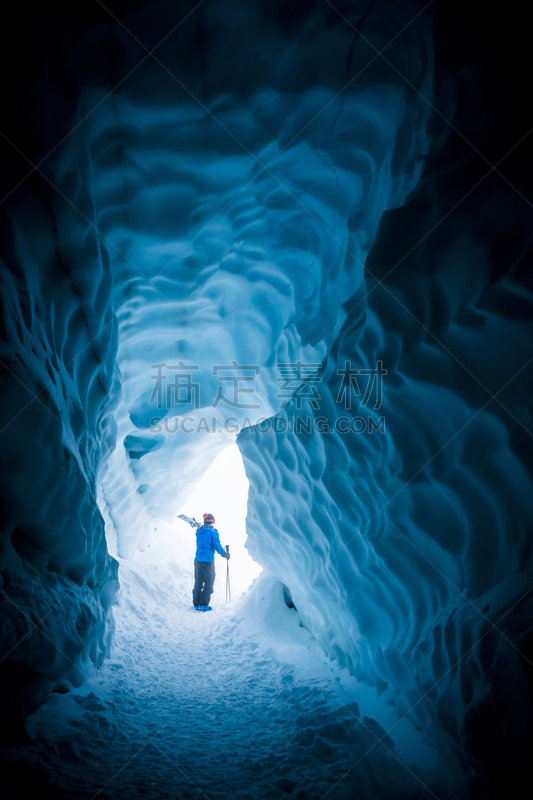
(223,492)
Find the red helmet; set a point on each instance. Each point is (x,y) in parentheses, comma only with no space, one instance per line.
(209,518)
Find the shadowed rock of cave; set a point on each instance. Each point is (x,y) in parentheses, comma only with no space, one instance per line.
(189,188)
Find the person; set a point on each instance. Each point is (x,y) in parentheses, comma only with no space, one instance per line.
(207,541)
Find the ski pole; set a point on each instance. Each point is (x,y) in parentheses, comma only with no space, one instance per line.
(228,589)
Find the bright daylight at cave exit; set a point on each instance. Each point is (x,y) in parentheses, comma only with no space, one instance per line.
(223,491)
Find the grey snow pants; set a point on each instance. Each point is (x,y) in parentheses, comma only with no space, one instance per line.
(204,580)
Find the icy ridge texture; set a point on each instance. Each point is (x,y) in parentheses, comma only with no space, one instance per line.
(238,220)
(236,208)
(413,546)
(58,389)
(226,220)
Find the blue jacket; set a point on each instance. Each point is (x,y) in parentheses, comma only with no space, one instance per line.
(207,541)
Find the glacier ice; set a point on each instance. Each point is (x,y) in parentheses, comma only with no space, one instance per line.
(277,183)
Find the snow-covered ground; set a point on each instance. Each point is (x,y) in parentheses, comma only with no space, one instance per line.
(239,702)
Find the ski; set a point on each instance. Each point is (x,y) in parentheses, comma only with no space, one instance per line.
(192,522)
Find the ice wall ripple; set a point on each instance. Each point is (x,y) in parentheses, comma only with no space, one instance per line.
(413,543)
(59,388)
(151,207)
(209,212)
(239,221)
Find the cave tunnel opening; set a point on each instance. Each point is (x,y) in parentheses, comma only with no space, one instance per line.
(336,185)
(223,491)
(174,680)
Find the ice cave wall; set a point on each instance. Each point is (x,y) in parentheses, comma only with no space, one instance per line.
(59,383)
(253,204)
(414,546)
(400,548)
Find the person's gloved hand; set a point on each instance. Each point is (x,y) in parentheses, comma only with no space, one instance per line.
(226,555)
